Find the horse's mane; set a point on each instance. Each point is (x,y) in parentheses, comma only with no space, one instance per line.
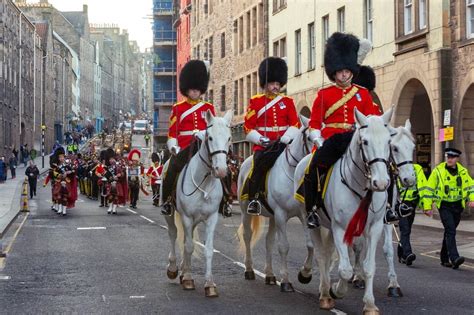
(402,131)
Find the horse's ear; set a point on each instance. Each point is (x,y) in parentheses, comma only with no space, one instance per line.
(209,117)
(360,118)
(408,125)
(228,117)
(393,131)
(387,116)
(304,121)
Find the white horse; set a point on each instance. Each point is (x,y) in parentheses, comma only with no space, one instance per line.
(361,171)
(280,199)
(402,147)
(198,195)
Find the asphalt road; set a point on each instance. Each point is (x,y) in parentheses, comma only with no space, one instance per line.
(91,262)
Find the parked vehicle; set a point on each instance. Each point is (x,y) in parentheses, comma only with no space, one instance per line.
(140,126)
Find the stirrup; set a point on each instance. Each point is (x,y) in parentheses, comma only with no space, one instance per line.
(390,217)
(226,210)
(167,209)
(254,207)
(313,220)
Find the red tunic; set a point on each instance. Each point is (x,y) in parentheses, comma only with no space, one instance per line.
(342,119)
(274,121)
(183,125)
(154,173)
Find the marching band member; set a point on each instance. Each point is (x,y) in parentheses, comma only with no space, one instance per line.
(100,172)
(271,117)
(186,121)
(332,116)
(154,173)
(135,171)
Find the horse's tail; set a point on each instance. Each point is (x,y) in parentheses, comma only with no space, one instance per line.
(357,224)
(256,233)
(180,238)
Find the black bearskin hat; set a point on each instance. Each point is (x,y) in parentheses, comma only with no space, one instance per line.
(365,78)
(155,157)
(273,69)
(59,151)
(194,75)
(109,153)
(103,155)
(341,53)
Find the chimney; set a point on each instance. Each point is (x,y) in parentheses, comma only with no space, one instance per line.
(44,1)
(84,8)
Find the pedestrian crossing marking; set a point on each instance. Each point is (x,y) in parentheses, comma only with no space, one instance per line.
(92,228)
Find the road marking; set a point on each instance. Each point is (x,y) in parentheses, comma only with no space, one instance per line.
(9,247)
(145,218)
(130,210)
(164,227)
(103,298)
(5,277)
(437,258)
(92,228)
(137,296)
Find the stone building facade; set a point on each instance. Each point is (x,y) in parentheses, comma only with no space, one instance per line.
(233,38)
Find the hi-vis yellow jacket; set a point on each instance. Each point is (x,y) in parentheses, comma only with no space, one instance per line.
(418,191)
(443,186)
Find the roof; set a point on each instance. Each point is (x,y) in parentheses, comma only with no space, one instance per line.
(42,31)
(78,19)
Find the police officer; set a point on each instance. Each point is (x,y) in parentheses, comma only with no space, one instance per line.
(410,199)
(451,187)
(270,117)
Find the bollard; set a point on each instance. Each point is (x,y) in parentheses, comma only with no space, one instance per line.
(24,197)
(2,254)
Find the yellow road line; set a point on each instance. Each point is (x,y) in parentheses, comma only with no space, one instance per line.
(9,247)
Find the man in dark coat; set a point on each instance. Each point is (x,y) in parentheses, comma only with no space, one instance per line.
(32,173)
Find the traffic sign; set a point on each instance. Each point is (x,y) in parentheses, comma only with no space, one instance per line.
(446,134)
(447,117)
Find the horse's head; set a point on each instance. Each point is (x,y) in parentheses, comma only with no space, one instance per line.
(301,145)
(217,142)
(374,143)
(402,147)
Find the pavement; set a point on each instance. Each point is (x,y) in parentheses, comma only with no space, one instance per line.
(11,194)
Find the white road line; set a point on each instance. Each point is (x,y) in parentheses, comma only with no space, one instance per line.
(92,228)
(130,210)
(137,296)
(164,227)
(103,298)
(5,277)
(149,220)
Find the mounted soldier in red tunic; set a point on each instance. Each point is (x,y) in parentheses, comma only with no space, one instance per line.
(271,123)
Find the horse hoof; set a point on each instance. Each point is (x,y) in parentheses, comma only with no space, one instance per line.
(286,287)
(371,312)
(270,280)
(188,284)
(358,284)
(332,294)
(304,280)
(394,292)
(211,292)
(181,279)
(171,274)
(250,275)
(326,303)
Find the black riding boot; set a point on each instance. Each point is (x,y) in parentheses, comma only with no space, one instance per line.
(313,196)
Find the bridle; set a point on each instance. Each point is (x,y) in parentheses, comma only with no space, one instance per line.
(210,154)
(306,150)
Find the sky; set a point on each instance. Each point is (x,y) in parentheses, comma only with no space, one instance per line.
(135,16)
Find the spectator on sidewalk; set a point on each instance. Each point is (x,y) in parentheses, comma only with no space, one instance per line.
(15,152)
(12,163)
(32,172)
(3,170)
(33,154)
(26,155)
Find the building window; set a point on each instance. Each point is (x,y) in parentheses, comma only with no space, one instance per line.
(248,36)
(254,26)
(241,96)
(249,86)
(236,97)
(276,48)
(311,47)
(255,84)
(198,52)
(278,5)
(422,14)
(407,14)
(470,18)
(297,52)
(211,51)
(236,37)
(223,98)
(211,96)
(325,32)
(222,45)
(206,49)
(369,22)
(241,34)
(283,47)
(341,19)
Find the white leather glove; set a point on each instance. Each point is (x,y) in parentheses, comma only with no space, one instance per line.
(172,145)
(254,137)
(315,137)
(201,134)
(264,141)
(289,135)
